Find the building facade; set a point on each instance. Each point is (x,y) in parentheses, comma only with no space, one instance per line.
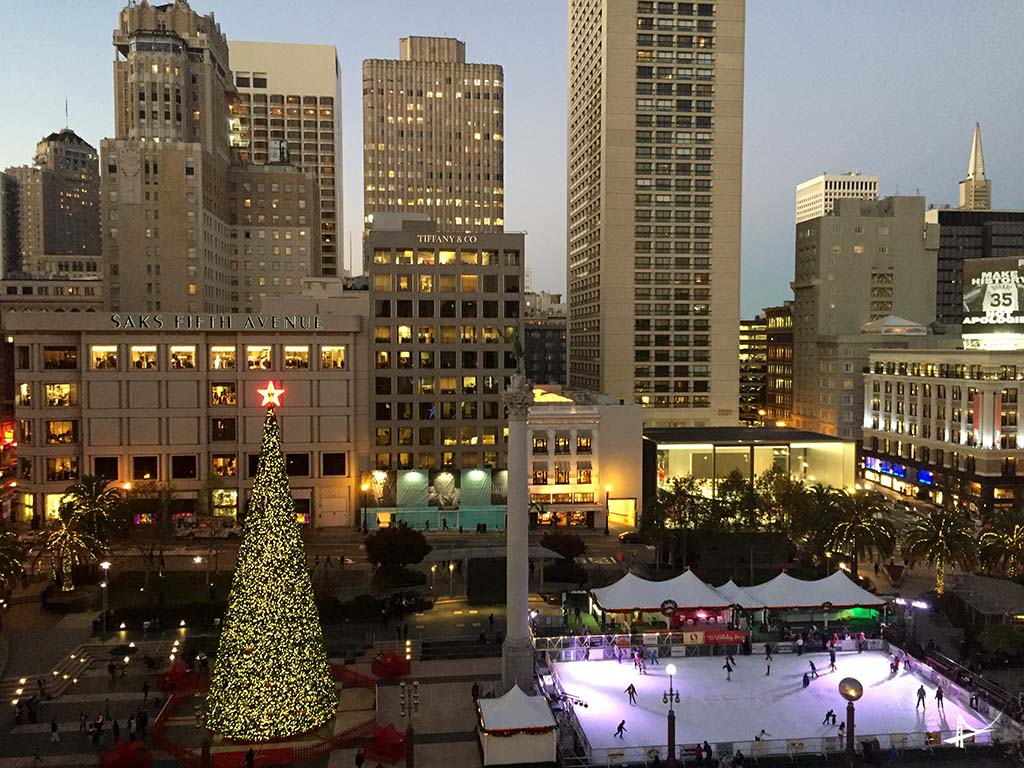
(817,197)
(171,399)
(544,345)
(976,189)
(779,356)
(654,180)
(865,261)
(288,110)
(943,427)
(753,370)
(433,136)
(444,308)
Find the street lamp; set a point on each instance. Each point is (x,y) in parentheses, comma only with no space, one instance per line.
(607,493)
(410,703)
(851,690)
(433,577)
(198,560)
(670,697)
(105,565)
(364,488)
(451,579)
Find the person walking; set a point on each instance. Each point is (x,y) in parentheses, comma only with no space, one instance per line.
(490,622)
(145,691)
(116,730)
(54,735)
(728,670)
(250,759)
(832,659)
(621,729)
(360,758)
(131,727)
(828,717)
(894,755)
(767,665)
(939,700)
(82,719)
(475,690)
(814,670)
(631,690)
(921,696)
(707,752)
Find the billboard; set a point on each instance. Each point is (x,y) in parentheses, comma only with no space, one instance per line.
(993,295)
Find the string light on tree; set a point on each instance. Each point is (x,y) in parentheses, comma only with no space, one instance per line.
(271,678)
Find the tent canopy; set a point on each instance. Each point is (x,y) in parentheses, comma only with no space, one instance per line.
(688,591)
(515,711)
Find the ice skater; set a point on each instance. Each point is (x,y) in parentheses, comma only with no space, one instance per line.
(762,736)
(830,718)
(921,696)
(938,699)
(631,691)
(814,670)
(621,729)
(842,730)
(728,670)
(636,660)
(654,657)
(767,665)
(832,659)
(807,679)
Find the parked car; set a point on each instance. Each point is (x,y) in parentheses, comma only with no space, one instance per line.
(30,537)
(632,537)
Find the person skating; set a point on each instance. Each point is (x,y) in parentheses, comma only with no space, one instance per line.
(707,752)
(938,699)
(621,729)
(800,646)
(921,696)
(814,670)
(631,691)
(728,670)
(832,659)
(768,665)
(830,716)
(762,736)
(654,656)
(807,679)
(698,754)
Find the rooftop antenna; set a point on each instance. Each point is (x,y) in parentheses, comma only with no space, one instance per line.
(66,112)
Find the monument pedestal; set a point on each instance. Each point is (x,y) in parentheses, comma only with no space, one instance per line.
(517,664)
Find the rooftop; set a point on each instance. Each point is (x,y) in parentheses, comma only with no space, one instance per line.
(736,435)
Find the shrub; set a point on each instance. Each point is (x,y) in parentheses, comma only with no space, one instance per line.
(568,545)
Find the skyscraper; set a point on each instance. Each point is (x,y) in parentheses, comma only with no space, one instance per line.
(433,136)
(753,354)
(654,178)
(289,110)
(976,189)
(817,197)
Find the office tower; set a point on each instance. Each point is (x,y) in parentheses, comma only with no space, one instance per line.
(444,307)
(976,189)
(10,224)
(288,109)
(54,204)
(753,370)
(165,173)
(654,179)
(863,280)
(544,337)
(816,197)
(779,354)
(433,136)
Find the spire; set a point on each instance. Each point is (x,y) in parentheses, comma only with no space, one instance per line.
(976,166)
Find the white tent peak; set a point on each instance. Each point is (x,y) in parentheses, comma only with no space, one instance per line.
(515,710)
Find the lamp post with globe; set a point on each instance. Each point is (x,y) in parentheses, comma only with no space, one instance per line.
(851,690)
(670,697)
(105,565)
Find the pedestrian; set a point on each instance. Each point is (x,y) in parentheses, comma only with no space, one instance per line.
(250,759)
(631,690)
(112,671)
(728,670)
(807,679)
(131,727)
(328,563)
(54,736)
(578,613)
(621,729)
(842,731)
(938,699)
(81,722)
(893,755)
(698,754)
(832,659)
(876,570)
(814,670)
(490,622)
(145,691)
(828,716)
(799,646)
(143,721)
(116,730)
(42,688)
(475,690)
(738,758)
(360,758)
(767,665)
(707,752)
(405,630)
(106,709)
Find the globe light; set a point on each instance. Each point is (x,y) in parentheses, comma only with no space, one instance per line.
(850,688)
(671,669)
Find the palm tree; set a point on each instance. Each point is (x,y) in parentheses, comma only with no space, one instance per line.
(857,524)
(1002,546)
(12,557)
(69,545)
(944,538)
(96,502)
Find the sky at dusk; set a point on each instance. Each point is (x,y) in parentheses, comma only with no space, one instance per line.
(892,89)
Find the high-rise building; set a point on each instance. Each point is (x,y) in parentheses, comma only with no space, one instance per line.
(444,308)
(544,337)
(288,109)
(654,178)
(863,279)
(817,197)
(779,355)
(753,370)
(51,208)
(976,189)
(433,136)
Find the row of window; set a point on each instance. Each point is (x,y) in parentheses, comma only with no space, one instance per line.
(222,357)
(446,308)
(444,436)
(429,282)
(562,442)
(448,460)
(430,257)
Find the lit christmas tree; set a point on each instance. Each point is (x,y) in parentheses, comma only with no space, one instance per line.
(271,678)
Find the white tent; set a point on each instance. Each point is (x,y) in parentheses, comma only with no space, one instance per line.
(633,593)
(517,728)
(739,596)
(786,592)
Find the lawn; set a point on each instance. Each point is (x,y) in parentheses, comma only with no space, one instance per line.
(176,588)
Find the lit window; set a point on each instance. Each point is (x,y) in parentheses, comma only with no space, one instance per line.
(296,357)
(103,358)
(257,356)
(222,358)
(332,357)
(61,395)
(183,357)
(223,394)
(144,358)
(61,432)
(225,465)
(225,503)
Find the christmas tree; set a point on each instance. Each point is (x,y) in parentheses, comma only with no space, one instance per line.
(271,678)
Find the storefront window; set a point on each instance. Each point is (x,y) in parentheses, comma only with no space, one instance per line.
(257,356)
(222,358)
(223,394)
(143,358)
(225,503)
(183,357)
(53,501)
(103,358)
(296,357)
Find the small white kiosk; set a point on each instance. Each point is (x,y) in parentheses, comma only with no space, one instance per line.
(517,728)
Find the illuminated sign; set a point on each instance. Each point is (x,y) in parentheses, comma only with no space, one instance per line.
(993,296)
(446,239)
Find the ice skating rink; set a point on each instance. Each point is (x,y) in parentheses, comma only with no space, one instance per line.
(718,711)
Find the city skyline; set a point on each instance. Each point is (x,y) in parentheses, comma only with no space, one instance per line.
(915,135)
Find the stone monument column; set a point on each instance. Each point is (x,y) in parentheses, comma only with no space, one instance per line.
(517,652)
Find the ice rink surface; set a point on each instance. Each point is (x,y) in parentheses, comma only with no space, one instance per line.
(715,710)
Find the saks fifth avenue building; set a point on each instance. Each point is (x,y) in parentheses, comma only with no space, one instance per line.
(171,399)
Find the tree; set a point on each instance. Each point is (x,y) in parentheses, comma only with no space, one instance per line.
(69,545)
(396,547)
(271,678)
(568,545)
(737,500)
(944,538)
(857,524)
(97,505)
(150,500)
(12,560)
(1002,546)
(1001,639)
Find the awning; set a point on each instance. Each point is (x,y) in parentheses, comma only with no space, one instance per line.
(515,712)
(838,590)
(633,593)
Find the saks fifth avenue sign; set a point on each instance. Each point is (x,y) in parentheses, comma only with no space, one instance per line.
(446,239)
(217,322)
